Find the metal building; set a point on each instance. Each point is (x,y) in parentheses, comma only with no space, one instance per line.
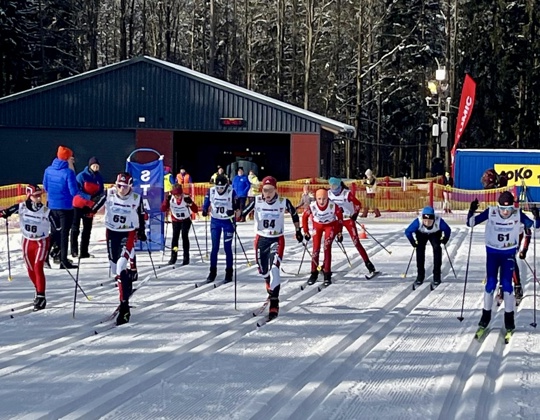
(192,119)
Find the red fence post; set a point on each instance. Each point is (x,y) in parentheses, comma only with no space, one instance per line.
(431,200)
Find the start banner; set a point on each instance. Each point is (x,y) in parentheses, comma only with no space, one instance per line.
(519,175)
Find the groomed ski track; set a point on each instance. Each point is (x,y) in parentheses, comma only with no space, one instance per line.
(358,349)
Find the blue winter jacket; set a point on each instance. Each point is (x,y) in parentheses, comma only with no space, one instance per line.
(61,185)
(241,185)
(86,175)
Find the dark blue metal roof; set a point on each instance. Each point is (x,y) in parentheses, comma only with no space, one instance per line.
(148,93)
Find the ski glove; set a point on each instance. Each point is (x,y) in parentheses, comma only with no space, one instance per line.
(230,213)
(474,206)
(204,213)
(188,200)
(4,214)
(413,244)
(535,212)
(141,235)
(299,236)
(522,255)
(339,237)
(444,240)
(307,236)
(354,217)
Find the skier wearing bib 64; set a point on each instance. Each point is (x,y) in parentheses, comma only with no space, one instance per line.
(501,237)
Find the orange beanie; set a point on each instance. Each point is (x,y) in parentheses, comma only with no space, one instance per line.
(64,153)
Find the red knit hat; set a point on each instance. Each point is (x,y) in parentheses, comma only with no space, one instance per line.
(269,180)
(64,153)
(177,189)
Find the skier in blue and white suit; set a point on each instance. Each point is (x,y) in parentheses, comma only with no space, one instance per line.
(222,199)
(428,227)
(502,238)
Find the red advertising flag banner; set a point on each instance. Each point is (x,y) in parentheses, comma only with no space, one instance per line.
(466,105)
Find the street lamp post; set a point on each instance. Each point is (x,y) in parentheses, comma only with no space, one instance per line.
(440,127)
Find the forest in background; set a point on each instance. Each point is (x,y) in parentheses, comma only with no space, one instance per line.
(364,62)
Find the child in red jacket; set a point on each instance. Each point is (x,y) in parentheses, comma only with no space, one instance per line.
(328,219)
(35,224)
(181,206)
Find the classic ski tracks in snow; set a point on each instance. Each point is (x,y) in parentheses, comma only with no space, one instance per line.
(104,399)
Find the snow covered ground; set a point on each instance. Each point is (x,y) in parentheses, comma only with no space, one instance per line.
(359,349)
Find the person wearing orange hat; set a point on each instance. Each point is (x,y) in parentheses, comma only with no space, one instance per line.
(350,206)
(181,206)
(35,229)
(60,183)
(269,214)
(328,220)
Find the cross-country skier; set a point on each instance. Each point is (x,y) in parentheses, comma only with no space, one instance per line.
(269,209)
(350,207)
(428,227)
(35,221)
(181,206)
(222,201)
(501,237)
(124,222)
(327,220)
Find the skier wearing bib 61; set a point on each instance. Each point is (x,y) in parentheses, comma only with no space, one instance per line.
(501,237)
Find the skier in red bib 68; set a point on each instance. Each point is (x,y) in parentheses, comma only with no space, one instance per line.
(35,221)
(124,222)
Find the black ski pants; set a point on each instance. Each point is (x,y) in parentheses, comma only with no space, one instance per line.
(183,227)
(435,240)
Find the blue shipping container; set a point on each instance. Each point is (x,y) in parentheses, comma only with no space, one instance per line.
(470,165)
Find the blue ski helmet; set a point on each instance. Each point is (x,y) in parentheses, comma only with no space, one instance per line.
(428,213)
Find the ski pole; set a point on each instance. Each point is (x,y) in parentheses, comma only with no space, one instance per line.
(372,237)
(408,265)
(461,318)
(151,260)
(450,261)
(174,248)
(239,241)
(164,239)
(76,284)
(533,324)
(340,246)
(235,267)
(532,271)
(9,257)
(206,234)
(197,241)
(303,255)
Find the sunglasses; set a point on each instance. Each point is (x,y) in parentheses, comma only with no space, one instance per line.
(268,189)
(506,208)
(122,187)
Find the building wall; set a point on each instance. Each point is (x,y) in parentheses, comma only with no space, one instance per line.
(159,140)
(28,152)
(305,156)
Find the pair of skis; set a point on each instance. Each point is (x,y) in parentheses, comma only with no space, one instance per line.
(482,332)
(433,285)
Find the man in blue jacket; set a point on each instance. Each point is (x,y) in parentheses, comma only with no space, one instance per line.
(91,192)
(61,185)
(428,227)
(241,186)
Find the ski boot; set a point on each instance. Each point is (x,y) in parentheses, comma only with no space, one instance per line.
(39,302)
(123,313)
(274,308)
(313,278)
(419,281)
(185,261)
(228,275)
(518,292)
(212,275)
(372,271)
(485,319)
(509,322)
(327,278)
(174,256)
